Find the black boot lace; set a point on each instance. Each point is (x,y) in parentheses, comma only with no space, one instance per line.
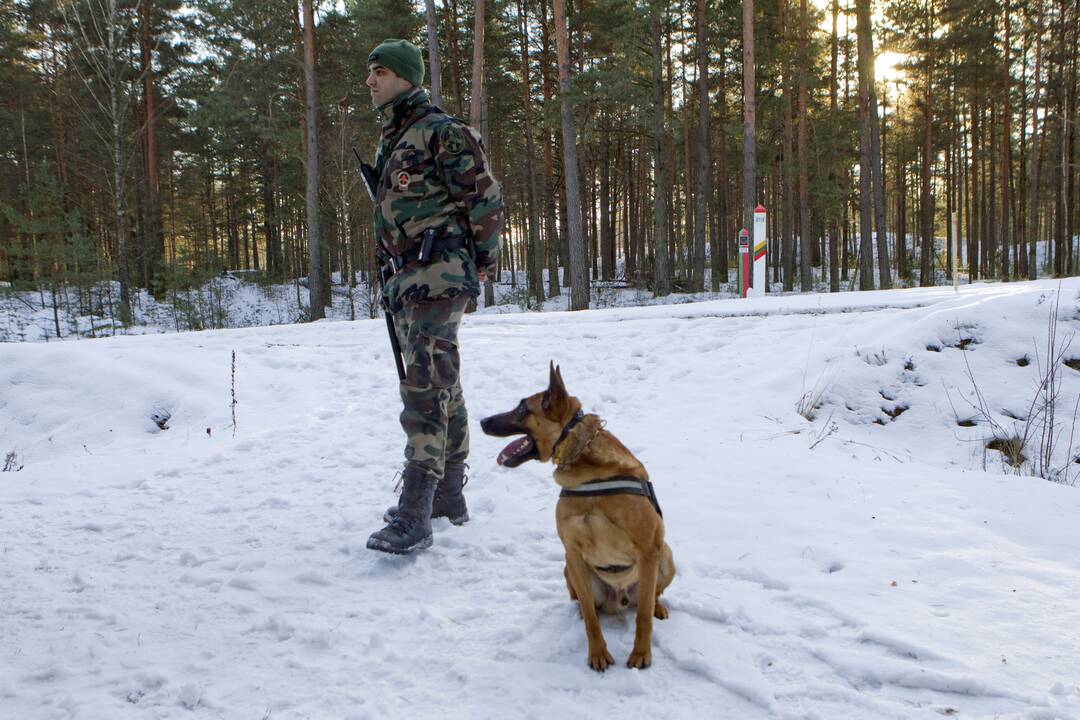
(401,523)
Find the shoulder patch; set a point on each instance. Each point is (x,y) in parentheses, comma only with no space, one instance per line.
(451,139)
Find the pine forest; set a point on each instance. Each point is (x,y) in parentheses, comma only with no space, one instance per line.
(151,145)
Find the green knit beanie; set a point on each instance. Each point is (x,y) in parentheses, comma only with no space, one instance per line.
(401,57)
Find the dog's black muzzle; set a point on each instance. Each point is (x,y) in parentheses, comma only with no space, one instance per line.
(501,425)
(507,424)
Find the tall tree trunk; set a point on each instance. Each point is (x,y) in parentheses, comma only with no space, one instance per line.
(866,172)
(704,177)
(901,216)
(455,56)
(869,156)
(806,280)
(1072,165)
(607,219)
(315,284)
(477,106)
(721,239)
(477,90)
(788,250)
(877,167)
(926,275)
(749,118)
(433,52)
(834,175)
(975,225)
(550,193)
(579,279)
(1006,149)
(1033,181)
(685,215)
(535,252)
(154,238)
(1063,243)
(992,224)
(661,267)
(118,205)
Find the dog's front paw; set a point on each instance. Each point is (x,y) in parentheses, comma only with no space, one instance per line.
(660,611)
(600,660)
(640,659)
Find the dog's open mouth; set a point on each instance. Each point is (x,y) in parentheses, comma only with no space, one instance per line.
(518,452)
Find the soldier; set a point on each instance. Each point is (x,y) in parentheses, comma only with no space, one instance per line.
(438,213)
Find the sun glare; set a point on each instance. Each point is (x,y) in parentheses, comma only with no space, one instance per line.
(885,62)
(885,66)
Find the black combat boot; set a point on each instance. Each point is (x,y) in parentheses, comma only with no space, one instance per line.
(449,501)
(410,529)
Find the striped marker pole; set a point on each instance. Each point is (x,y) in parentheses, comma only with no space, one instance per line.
(760,284)
(744,263)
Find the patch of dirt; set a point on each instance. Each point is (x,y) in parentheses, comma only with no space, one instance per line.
(1011,448)
(1023,361)
(1074,363)
(895,411)
(966,422)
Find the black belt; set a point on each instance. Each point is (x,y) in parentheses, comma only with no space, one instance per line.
(618,485)
(446,243)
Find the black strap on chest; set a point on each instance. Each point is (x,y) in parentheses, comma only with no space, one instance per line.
(616,485)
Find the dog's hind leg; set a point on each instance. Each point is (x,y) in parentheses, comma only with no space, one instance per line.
(580,576)
(665,574)
(641,656)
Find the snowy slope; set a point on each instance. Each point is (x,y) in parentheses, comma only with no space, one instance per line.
(859,565)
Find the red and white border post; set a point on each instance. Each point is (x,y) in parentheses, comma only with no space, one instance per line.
(760,283)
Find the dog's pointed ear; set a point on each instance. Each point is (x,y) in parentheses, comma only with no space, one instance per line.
(556,388)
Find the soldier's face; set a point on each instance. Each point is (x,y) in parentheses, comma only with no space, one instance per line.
(384,84)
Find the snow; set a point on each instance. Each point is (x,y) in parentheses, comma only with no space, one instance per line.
(865,564)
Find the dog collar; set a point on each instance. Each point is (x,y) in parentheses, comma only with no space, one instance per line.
(617,485)
(578,417)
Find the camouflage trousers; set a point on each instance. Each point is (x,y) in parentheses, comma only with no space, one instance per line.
(434,418)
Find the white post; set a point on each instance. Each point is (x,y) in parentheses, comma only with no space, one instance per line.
(760,244)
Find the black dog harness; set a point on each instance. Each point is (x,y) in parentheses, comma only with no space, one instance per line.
(617,485)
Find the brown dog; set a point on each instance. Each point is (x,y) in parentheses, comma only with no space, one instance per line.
(607,515)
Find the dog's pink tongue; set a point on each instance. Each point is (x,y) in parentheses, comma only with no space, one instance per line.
(513,449)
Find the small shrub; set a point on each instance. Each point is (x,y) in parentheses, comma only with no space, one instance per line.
(518,296)
(808,405)
(11,462)
(1011,449)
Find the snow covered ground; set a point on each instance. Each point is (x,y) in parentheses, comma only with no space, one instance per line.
(870,563)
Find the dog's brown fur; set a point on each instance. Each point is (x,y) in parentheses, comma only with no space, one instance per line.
(597,532)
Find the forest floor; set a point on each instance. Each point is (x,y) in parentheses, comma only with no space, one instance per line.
(850,543)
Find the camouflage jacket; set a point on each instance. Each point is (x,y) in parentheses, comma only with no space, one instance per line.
(433,174)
